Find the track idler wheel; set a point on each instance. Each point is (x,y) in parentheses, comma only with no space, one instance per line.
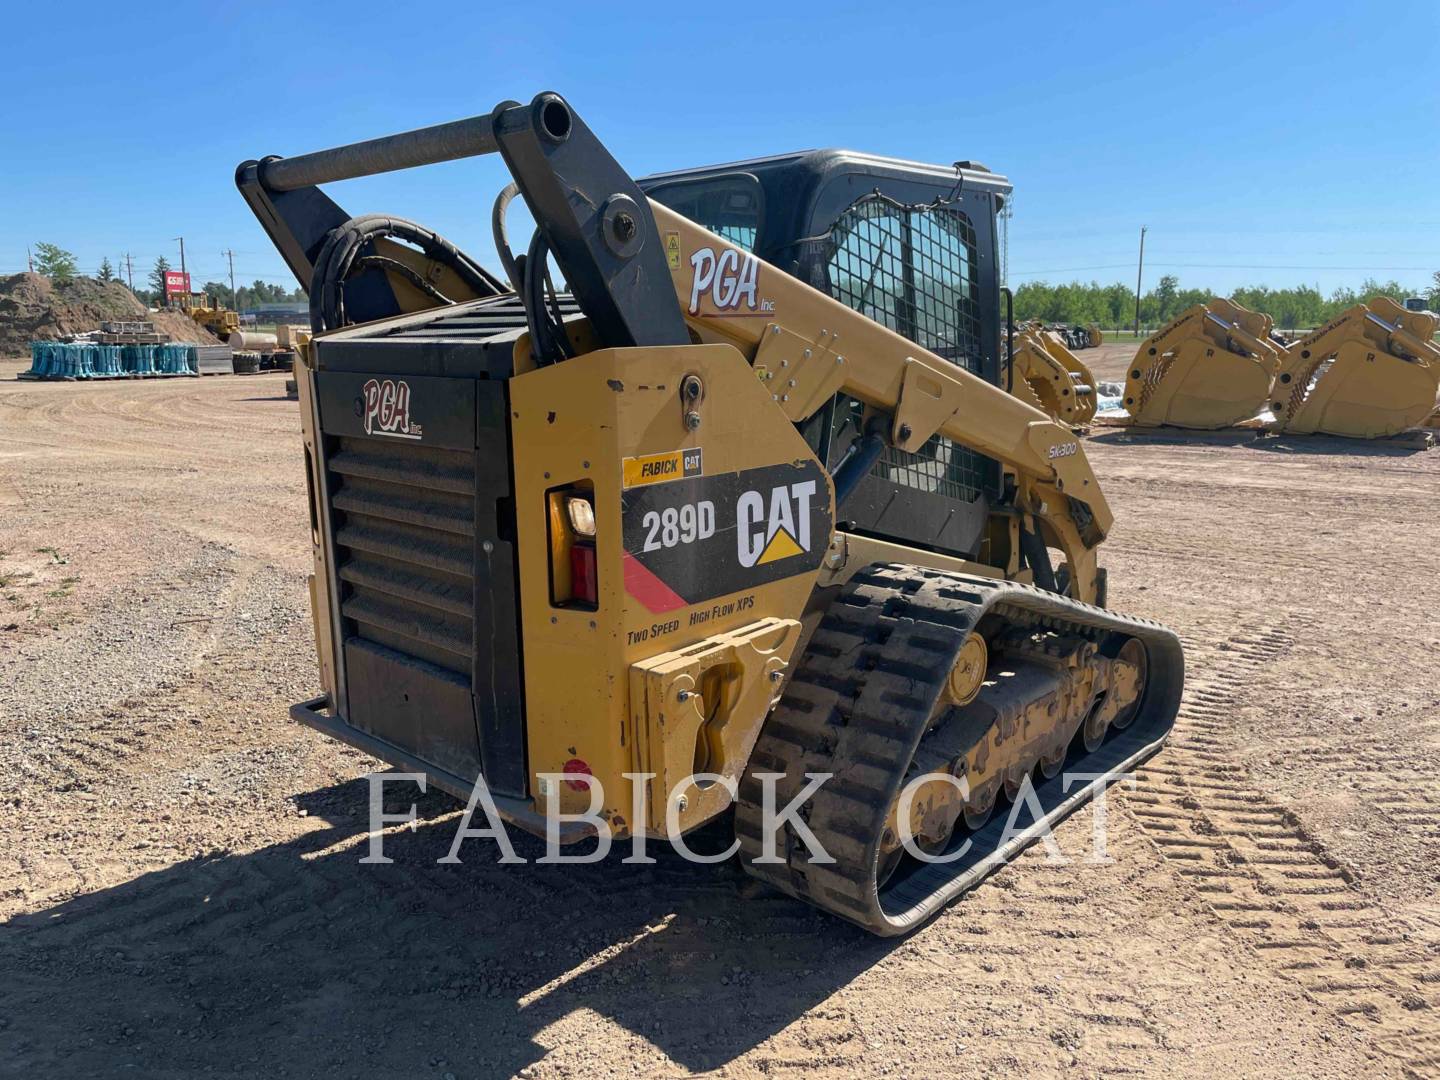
(977,813)
(1132,667)
(1049,767)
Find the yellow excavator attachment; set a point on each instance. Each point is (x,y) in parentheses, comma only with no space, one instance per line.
(1372,371)
(1210,367)
(1049,376)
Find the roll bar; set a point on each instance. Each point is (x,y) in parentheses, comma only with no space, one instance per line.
(593,217)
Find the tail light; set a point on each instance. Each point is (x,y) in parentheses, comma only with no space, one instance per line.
(584,588)
(574,568)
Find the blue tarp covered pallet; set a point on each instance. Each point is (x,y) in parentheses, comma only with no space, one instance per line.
(85,360)
(138,359)
(176,360)
(61,360)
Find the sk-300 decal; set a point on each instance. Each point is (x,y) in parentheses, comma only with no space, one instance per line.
(692,540)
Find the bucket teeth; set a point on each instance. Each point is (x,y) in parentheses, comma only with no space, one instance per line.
(1045,373)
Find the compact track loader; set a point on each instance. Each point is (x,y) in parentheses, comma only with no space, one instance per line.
(1372,371)
(1210,367)
(1049,376)
(743,505)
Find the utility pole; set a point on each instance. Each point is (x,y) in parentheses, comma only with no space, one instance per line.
(29,260)
(129,272)
(1140,273)
(234,300)
(182,270)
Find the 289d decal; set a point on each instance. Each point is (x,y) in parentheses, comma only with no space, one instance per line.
(693,540)
(679,525)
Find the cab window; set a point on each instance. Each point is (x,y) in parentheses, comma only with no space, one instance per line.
(728,205)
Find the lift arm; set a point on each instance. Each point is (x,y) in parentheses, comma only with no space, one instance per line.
(808,347)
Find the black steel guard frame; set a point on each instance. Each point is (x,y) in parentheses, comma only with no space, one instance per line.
(594,218)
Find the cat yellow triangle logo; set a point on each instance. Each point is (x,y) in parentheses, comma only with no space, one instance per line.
(782,545)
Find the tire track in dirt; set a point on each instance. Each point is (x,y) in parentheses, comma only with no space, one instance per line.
(103,743)
(1268,878)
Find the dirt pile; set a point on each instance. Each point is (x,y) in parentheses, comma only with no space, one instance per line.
(180,327)
(35,308)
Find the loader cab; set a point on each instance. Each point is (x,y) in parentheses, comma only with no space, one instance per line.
(911,246)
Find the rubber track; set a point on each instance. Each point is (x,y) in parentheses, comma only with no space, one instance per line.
(857,707)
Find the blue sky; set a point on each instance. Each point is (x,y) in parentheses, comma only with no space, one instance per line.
(1275,143)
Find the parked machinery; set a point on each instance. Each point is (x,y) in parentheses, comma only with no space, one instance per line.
(1372,371)
(1210,367)
(1088,336)
(1049,376)
(703,516)
(209,315)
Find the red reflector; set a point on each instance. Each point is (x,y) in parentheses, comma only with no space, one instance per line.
(575,767)
(583,584)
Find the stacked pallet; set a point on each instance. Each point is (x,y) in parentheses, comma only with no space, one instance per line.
(71,360)
(127,332)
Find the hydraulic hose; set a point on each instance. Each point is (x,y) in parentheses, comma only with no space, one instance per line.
(351,246)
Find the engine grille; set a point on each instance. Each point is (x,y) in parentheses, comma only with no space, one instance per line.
(404,533)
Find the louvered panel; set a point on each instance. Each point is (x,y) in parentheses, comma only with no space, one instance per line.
(405,532)
(407,544)
(428,629)
(415,622)
(443,512)
(445,592)
(420,467)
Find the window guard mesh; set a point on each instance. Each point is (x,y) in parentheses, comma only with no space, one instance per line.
(912,269)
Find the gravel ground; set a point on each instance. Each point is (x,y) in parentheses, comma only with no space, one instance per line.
(180,890)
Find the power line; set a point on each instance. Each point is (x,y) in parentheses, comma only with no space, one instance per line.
(1233,266)
(1349,269)
(1069,270)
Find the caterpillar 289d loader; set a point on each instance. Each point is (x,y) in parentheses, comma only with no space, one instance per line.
(742,505)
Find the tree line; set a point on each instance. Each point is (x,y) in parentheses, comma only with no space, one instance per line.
(59,265)
(1113,306)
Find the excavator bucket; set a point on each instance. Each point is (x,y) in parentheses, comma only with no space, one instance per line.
(1208,368)
(1049,376)
(1372,371)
